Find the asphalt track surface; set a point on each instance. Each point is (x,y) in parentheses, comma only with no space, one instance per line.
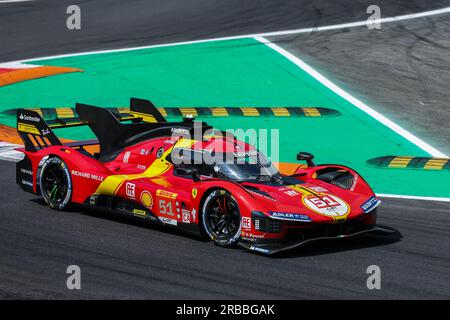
(120,258)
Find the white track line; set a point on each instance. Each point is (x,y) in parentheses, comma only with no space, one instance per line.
(12,1)
(264,34)
(398,196)
(359,104)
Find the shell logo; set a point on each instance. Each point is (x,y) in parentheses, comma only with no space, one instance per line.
(146,199)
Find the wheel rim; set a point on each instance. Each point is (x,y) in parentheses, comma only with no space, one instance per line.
(223,216)
(54,183)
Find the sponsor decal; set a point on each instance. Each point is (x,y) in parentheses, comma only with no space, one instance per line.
(126,156)
(180,130)
(29,118)
(146,199)
(27,183)
(246,223)
(28,128)
(194,193)
(355,181)
(186,216)
(289,216)
(25,171)
(141,167)
(370,204)
(45,132)
(327,205)
(317,189)
(172,222)
(87,175)
(139,212)
(194,214)
(241,154)
(166,194)
(144,152)
(130,190)
(252,236)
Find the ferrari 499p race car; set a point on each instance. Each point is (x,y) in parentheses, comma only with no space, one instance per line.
(190,176)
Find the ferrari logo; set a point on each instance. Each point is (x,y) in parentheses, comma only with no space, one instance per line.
(194,193)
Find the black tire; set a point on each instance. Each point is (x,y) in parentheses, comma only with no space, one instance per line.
(221,218)
(55,183)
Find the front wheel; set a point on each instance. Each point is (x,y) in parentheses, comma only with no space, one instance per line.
(55,183)
(221,218)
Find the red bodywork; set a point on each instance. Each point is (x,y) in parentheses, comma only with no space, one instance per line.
(140,181)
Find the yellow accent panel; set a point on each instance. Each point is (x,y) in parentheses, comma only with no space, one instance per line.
(435,164)
(145,117)
(219,112)
(303,190)
(250,112)
(311,112)
(280,112)
(27,128)
(111,184)
(400,162)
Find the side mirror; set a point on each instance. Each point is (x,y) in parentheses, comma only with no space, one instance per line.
(305,156)
(183,171)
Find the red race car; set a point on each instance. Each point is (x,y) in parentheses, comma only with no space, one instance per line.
(190,176)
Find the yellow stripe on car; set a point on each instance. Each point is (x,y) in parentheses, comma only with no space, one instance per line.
(112,183)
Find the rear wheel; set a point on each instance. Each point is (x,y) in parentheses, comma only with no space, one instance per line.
(221,218)
(55,183)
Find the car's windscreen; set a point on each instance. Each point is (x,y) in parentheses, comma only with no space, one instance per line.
(245,166)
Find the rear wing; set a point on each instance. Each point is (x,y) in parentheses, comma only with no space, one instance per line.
(37,133)
(140,110)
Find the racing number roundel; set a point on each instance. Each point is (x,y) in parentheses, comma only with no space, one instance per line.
(326,204)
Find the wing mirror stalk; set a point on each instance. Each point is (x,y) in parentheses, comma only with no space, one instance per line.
(306,156)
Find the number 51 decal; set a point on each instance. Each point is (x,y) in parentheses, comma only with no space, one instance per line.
(165,207)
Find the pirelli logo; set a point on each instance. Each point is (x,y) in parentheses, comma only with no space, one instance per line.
(406,162)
